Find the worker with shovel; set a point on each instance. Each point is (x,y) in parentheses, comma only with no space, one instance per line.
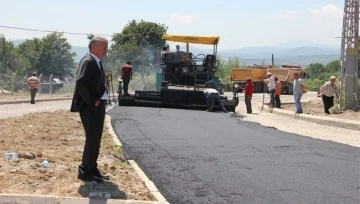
(270,81)
(327,92)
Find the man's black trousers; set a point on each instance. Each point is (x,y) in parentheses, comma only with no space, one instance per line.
(92,119)
(126,85)
(32,95)
(328,103)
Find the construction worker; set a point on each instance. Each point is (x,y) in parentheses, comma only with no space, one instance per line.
(277,93)
(213,96)
(33,85)
(126,75)
(327,92)
(270,81)
(249,90)
(299,90)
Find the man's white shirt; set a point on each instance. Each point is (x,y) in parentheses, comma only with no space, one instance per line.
(271,84)
(105,96)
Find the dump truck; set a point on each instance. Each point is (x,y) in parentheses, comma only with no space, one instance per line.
(285,74)
(181,77)
(256,73)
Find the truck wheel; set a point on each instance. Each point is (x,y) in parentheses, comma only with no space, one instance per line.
(222,90)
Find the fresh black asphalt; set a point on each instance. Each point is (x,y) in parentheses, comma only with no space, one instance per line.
(200,157)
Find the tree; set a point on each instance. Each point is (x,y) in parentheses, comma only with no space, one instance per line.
(8,56)
(225,66)
(30,51)
(314,70)
(49,55)
(333,66)
(137,43)
(319,74)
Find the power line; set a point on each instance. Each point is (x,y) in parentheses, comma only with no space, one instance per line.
(49,31)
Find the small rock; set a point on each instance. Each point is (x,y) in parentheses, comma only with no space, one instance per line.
(42,171)
(39,154)
(27,155)
(13,171)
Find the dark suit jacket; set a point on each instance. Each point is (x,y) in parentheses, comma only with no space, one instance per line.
(87,88)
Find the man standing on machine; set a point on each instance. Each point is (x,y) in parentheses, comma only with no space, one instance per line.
(213,96)
(126,75)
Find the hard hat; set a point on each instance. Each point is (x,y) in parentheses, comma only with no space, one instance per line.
(268,73)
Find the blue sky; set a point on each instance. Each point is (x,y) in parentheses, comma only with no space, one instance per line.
(240,23)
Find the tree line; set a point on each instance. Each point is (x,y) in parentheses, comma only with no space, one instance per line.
(136,42)
(317,74)
(52,54)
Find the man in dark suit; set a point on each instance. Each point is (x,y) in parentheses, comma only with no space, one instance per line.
(91,93)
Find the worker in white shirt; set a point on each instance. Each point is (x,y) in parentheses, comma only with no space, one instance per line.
(212,96)
(270,81)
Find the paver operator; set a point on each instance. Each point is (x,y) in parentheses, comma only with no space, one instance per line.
(126,76)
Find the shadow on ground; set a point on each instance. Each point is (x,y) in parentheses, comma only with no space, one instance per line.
(103,187)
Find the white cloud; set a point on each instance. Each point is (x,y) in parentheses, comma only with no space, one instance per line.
(288,14)
(185,19)
(326,13)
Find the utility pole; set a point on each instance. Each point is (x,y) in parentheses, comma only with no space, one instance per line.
(349,60)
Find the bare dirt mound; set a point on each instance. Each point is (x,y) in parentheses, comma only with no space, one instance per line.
(59,138)
(316,107)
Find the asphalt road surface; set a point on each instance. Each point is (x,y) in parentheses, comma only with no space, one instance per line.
(200,157)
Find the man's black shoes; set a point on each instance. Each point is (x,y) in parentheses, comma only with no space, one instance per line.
(88,176)
(98,174)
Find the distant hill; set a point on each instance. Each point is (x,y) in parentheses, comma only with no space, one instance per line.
(298,52)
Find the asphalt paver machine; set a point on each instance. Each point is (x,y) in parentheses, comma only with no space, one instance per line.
(183,77)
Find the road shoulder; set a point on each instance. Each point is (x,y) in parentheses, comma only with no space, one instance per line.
(303,127)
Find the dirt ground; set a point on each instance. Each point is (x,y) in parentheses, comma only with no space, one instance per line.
(58,138)
(316,107)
